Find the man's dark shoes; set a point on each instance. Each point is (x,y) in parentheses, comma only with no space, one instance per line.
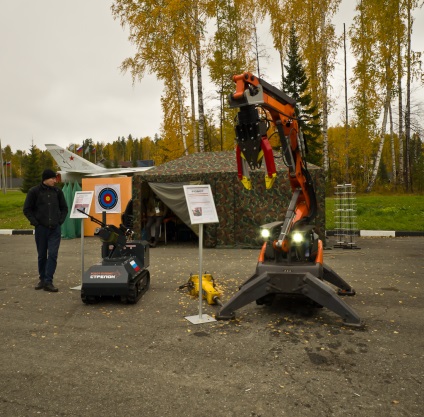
(40,285)
(50,287)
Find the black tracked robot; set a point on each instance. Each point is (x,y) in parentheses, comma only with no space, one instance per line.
(122,271)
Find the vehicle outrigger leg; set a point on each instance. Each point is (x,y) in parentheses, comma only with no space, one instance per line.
(291,260)
(269,281)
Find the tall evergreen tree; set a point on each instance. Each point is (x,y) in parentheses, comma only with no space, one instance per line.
(296,85)
(32,169)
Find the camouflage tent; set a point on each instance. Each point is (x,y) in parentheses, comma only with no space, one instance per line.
(240,211)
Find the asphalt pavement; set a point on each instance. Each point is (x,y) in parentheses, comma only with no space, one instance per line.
(61,357)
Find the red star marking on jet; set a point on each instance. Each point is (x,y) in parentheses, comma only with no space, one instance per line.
(71,158)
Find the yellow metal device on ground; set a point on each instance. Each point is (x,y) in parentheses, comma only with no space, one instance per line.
(209,291)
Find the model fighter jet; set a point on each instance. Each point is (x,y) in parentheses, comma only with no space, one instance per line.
(73,167)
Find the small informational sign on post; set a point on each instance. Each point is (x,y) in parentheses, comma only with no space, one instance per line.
(201,207)
(82,201)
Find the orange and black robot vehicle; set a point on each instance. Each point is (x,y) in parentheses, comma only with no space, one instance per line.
(291,259)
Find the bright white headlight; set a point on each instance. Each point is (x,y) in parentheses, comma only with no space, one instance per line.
(297,237)
(265,233)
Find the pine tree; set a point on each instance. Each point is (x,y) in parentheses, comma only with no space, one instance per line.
(32,169)
(296,84)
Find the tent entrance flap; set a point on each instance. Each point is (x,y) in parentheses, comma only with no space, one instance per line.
(172,194)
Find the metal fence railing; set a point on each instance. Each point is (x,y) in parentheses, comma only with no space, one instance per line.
(345,216)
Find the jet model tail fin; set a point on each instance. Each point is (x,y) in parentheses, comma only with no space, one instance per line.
(71,162)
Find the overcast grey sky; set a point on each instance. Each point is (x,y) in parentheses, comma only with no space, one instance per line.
(60,79)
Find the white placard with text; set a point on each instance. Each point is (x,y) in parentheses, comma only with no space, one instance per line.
(82,201)
(200,203)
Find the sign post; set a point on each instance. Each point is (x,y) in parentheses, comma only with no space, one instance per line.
(82,201)
(201,208)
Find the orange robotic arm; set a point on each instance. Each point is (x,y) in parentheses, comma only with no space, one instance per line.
(260,105)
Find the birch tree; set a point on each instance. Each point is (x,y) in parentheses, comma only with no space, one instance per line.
(160,45)
(165,34)
(400,30)
(278,13)
(319,45)
(385,47)
(229,52)
(366,102)
(411,72)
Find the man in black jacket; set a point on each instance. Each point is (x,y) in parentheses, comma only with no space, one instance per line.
(46,209)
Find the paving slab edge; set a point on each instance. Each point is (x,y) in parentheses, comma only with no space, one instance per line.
(379,233)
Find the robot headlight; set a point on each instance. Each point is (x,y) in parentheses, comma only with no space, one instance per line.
(297,237)
(265,233)
(267,230)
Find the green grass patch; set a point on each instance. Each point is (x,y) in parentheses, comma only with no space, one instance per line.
(383,212)
(11,215)
(374,212)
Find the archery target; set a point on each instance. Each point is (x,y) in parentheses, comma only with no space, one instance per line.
(108,199)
